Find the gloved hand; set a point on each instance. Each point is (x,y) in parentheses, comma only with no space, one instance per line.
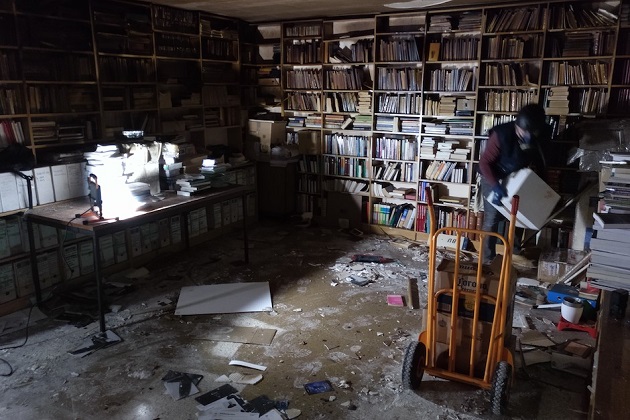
(498,192)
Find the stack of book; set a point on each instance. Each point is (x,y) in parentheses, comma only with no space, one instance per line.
(427,148)
(447,105)
(192,184)
(557,101)
(616,194)
(610,252)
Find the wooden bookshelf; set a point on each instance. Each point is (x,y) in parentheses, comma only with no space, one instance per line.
(448,76)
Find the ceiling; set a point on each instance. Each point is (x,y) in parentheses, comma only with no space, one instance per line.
(256,11)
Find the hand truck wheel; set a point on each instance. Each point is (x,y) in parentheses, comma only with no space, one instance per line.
(413,365)
(500,390)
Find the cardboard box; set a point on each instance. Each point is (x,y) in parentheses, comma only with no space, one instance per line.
(467,281)
(554,263)
(267,133)
(537,199)
(463,346)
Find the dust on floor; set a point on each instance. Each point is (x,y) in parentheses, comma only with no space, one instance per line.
(327,328)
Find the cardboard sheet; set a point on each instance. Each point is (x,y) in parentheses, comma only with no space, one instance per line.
(224,298)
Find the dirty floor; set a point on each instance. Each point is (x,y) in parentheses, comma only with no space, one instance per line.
(327,328)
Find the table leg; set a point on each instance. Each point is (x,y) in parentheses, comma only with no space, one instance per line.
(33,255)
(245,241)
(99,285)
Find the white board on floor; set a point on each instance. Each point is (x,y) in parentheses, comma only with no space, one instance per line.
(224,298)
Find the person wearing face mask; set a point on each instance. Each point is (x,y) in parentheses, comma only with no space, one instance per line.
(510,147)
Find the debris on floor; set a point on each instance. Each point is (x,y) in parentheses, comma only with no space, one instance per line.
(96,342)
(371,259)
(225,402)
(247,365)
(236,334)
(180,384)
(395,300)
(224,298)
(318,387)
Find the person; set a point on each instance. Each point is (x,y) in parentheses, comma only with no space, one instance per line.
(510,147)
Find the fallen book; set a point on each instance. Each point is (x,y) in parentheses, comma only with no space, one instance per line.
(612,220)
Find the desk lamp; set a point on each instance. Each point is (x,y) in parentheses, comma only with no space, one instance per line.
(96,199)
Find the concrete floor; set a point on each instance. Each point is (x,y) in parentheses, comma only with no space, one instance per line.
(327,329)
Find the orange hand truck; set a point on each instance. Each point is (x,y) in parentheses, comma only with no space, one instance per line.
(487,366)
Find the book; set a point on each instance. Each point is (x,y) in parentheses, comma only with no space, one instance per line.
(612,220)
(434,51)
(395,300)
(613,247)
(610,234)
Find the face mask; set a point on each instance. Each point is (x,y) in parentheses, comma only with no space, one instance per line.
(525,140)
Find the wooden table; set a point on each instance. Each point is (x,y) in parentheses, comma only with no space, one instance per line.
(63,215)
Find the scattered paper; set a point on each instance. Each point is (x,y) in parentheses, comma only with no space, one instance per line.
(247,364)
(180,384)
(519,321)
(216,395)
(239,378)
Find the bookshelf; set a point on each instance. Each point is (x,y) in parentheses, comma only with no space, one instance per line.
(438,81)
(397,106)
(304,78)
(220,76)
(74,73)
(261,66)
(126,65)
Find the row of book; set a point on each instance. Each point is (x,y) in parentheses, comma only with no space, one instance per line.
(444,217)
(395,148)
(508,100)
(349,102)
(407,78)
(399,103)
(353,78)
(358,52)
(303,79)
(445,171)
(301,101)
(11,132)
(395,171)
(401,216)
(514,47)
(344,166)
(11,101)
(452,80)
(582,73)
(304,51)
(308,184)
(403,48)
(514,74)
(342,144)
(459,48)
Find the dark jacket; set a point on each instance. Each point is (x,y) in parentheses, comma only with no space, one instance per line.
(504,155)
